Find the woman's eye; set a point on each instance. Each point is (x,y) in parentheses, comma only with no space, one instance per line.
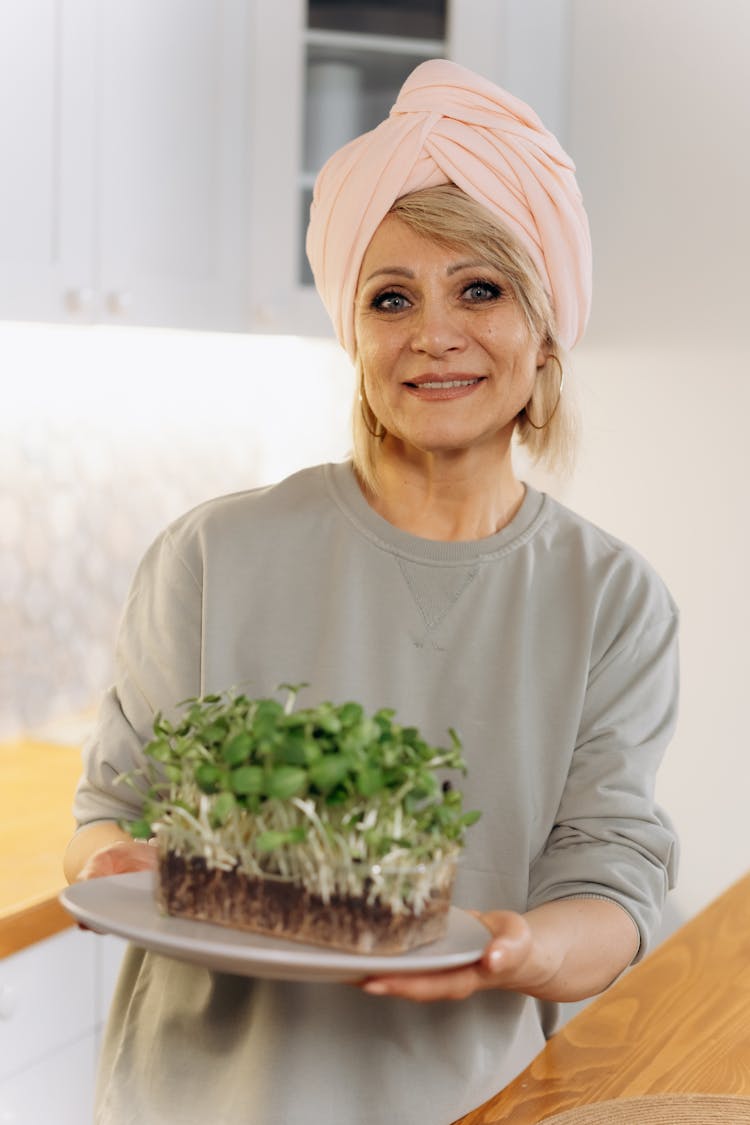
(480,291)
(390,302)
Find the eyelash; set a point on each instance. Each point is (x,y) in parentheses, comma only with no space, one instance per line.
(479,283)
(378,302)
(494,291)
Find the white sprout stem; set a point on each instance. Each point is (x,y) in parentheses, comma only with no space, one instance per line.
(332,858)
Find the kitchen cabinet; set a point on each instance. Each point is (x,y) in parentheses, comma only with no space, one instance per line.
(46,134)
(54,996)
(159,158)
(123,132)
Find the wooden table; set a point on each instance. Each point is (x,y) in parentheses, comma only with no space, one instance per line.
(37,781)
(679,1022)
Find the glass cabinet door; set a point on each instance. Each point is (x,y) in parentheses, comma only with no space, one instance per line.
(357,54)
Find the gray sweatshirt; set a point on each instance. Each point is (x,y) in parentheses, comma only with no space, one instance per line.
(551,647)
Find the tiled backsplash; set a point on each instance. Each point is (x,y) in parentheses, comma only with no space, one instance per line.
(105,436)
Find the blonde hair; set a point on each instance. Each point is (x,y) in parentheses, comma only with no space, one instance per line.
(447,215)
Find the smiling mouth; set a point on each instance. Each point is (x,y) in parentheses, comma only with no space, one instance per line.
(444,384)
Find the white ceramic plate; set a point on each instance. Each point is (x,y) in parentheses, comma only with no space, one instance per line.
(124,905)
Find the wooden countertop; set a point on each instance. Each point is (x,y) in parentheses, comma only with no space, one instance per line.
(678,1023)
(37,782)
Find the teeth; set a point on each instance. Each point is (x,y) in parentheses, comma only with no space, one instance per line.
(442,383)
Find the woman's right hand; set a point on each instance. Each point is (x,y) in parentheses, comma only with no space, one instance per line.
(103,848)
(118,858)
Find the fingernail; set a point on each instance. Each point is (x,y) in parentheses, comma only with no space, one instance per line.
(496,960)
(375,988)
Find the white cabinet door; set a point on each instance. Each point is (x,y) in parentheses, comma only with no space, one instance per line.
(47,999)
(124,186)
(278,302)
(56,1090)
(172,159)
(46,149)
(54,999)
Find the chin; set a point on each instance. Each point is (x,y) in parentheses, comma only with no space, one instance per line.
(452,442)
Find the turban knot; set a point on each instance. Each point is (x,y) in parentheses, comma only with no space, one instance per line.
(450,126)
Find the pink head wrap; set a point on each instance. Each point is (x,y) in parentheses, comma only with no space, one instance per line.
(452,126)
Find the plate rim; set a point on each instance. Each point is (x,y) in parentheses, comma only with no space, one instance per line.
(319,961)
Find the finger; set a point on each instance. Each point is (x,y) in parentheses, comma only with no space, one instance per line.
(118,859)
(455,984)
(510,944)
(497,958)
(504,923)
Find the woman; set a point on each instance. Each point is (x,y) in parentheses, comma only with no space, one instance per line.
(451,249)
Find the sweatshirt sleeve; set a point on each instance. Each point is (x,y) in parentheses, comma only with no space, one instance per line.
(157,666)
(610,839)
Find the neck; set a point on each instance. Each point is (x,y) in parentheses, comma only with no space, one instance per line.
(450,498)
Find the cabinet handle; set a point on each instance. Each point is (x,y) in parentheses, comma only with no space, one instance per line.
(8,998)
(119,302)
(265,316)
(79,300)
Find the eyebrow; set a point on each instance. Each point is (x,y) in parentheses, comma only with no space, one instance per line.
(402,271)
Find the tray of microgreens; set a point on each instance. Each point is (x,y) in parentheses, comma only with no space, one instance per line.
(326,795)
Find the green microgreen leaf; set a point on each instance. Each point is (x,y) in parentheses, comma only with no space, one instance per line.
(238,749)
(350,714)
(223,807)
(160,750)
(370,781)
(247,779)
(292,749)
(215,733)
(139,829)
(328,772)
(208,777)
(284,782)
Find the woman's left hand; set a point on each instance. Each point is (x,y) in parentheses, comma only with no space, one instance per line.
(568,949)
(502,965)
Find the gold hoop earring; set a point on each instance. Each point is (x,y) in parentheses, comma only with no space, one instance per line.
(379,434)
(557,402)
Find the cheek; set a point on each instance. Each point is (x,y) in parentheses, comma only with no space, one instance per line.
(371,365)
(515,348)
(377,352)
(511,336)
(364,340)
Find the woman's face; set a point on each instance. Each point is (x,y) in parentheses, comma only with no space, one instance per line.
(447,356)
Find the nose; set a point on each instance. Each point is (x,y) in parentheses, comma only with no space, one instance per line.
(437,330)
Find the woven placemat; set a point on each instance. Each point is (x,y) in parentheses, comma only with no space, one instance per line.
(664,1109)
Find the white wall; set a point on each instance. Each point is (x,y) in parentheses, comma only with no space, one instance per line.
(659,124)
(658,470)
(659,121)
